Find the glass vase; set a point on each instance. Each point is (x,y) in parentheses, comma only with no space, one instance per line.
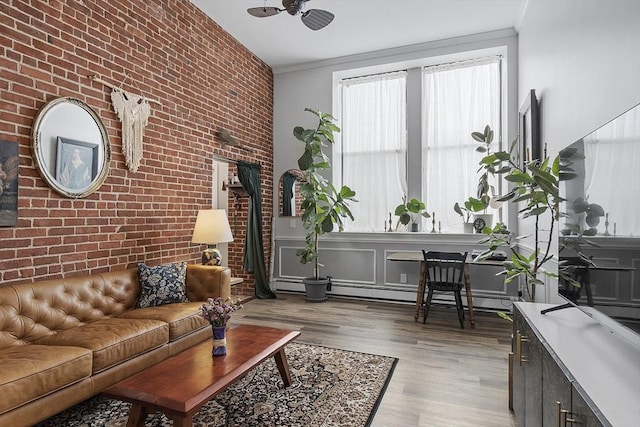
(219,341)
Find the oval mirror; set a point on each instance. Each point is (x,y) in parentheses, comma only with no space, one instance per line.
(70,147)
(290,199)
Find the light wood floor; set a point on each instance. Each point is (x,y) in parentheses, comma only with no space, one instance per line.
(446,376)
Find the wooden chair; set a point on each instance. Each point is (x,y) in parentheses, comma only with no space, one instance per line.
(576,269)
(445,273)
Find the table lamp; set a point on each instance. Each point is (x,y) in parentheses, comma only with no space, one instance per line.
(212,227)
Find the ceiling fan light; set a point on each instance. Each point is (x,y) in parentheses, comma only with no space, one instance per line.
(293,7)
(317,19)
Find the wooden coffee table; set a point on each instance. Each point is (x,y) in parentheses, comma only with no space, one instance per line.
(181,384)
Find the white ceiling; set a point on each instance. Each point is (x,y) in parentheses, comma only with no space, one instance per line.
(359,25)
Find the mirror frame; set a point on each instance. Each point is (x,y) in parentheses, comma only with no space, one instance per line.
(46,170)
(299,180)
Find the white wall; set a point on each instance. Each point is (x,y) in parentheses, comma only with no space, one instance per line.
(582,57)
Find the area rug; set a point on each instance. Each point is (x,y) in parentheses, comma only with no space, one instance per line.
(330,387)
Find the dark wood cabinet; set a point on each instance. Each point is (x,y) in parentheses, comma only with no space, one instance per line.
(557,390)
(527,374)
(567,369)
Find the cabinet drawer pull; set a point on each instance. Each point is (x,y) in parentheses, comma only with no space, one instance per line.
(562,415)
(519,340)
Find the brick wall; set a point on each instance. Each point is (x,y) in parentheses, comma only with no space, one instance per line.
(166,50)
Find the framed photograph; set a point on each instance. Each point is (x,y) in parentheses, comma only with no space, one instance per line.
(76,163)
(9,167)
(529,130)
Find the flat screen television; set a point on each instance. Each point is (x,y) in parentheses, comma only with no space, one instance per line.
(599,228)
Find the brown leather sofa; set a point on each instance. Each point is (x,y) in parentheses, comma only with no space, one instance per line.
(64,340)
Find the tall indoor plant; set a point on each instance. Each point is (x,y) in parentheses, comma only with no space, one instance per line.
(535,187)
(322,206)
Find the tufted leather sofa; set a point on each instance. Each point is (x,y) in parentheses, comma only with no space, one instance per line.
(64,340)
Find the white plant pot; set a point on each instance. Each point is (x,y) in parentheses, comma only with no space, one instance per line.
(479,219)
(467,227)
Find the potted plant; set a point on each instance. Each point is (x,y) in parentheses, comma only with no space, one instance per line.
(490,165)
(411,211)
(536,186)
(323,207)
(465,212)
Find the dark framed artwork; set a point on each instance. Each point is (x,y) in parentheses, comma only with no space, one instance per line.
(76,163)
(9,167)
(529,130)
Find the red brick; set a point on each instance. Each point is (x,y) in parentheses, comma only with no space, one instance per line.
(170,52)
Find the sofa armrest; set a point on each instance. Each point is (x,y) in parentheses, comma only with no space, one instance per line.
(207,281)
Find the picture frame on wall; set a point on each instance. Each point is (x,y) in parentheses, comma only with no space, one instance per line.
(76,163)
(9,168)
(529,130)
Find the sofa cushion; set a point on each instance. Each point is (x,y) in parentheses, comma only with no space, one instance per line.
(183,318)
(114,340)
(162,284)
(33,371)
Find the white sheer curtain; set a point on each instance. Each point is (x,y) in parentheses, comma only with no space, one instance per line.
(374,146)
(457,98)
(612,174)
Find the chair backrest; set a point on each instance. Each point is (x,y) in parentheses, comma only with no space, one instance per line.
(444,270)
(576,269)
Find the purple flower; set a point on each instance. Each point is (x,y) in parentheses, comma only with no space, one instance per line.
(217,311)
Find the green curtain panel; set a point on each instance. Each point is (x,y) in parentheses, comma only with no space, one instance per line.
(253,257)
(288,180)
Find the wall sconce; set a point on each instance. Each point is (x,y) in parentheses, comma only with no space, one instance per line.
(212,227)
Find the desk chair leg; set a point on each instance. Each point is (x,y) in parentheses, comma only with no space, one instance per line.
(421,288)
(587,288)
(427,305)
(460,308)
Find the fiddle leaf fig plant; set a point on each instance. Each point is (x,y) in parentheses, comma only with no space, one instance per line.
(323,206)
(535,187)
(410,211)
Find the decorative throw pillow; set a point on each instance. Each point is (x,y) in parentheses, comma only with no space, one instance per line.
(162,284)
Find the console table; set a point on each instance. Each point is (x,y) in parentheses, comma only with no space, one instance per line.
(567,368)
(418,257)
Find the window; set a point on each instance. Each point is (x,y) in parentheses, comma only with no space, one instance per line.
(387,153)
(457,99)
(374,150)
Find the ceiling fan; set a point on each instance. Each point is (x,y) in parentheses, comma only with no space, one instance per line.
(312,18)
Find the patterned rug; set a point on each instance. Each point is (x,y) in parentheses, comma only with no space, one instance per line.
(330,388)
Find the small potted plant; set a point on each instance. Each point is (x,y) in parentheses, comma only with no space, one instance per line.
(410,212)
(323,206)
(218,312)
(465,212)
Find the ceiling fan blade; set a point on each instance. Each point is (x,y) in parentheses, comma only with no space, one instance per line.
(262,12)
(317,18)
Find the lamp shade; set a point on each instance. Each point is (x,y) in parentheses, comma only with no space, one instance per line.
(212,227)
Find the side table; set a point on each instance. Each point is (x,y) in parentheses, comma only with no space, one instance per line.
(239,296)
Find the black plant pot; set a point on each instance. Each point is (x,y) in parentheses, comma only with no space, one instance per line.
(316,289)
